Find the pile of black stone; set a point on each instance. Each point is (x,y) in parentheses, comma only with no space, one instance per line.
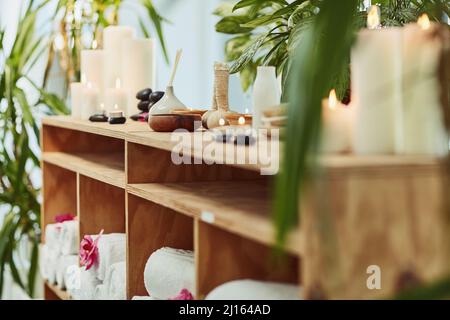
(147,99)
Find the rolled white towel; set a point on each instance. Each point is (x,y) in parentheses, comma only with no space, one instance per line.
(101,292)
(69,237)
(53,236)
(115,281)
(81,284)
(63,263)
(254,290)
(143,298)
(168,271)
(111,249)
(48,262)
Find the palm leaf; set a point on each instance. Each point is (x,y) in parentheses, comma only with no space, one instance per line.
(328,39)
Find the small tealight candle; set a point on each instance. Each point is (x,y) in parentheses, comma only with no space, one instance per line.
(117,116)
(116,96)
(336,125)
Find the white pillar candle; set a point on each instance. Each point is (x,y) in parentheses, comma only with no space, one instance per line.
(90,101)
(113,38)
(376,89)
(139,68)
(116,97)
(336,125)
(424,129)
(92,67)
(76,97)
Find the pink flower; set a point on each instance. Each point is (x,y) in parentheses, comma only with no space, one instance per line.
(64,217)
(89,251)
(183,295)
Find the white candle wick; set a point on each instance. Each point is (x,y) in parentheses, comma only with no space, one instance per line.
(424,22)
(373,18)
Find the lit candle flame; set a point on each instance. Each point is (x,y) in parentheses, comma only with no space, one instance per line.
(424,22)
(116,107)
(102,106)
(241,120)
(118,83)
(373,18)
(332,100)
(221,122)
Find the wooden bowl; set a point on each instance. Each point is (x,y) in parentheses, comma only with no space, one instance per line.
(172,122)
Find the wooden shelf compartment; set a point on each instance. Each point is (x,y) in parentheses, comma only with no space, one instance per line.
(52,292)
(59,193)
(222,257)
(240,207)
(101,206)
(149,228)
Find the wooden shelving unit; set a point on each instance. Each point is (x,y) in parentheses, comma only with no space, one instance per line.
(121,178)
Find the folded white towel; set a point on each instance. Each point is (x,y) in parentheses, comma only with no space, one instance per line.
(63,263)
(255,290)
(111,249)
(168,271)
(81,284)
(53,236)
(115,281)
(48,261)
(70,237)
(143,298)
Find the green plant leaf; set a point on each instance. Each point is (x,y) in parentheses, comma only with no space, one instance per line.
(248,54)
(328,39)
(233,25)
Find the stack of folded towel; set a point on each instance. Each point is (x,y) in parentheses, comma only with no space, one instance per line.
(59,251)
(254,290)
(105,279)
(169,274)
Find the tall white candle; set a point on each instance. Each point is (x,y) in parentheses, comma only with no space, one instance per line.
(376,89)
(90,101)
(113,38)
(76,96)
(337,124)
(138,68)
(92,67)
(424,129)
(116,97)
